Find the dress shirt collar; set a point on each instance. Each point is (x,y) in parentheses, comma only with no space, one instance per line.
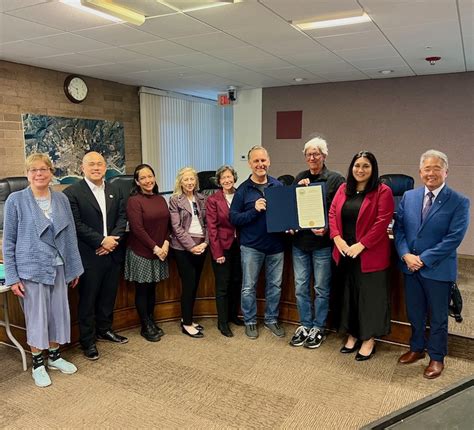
(95,187)
(435,192)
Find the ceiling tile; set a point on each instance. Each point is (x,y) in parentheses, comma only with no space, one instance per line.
(264,63)
(13,29)
(379,63)
(195,59)
(308,9)
(242,53)
(117,34)
(114,55)
(25,49)
(367,53)
(68,42)
(289,73)
(324,68)
(208,42)
(74,60)
(9,5)
(159,48)
(345,76)
(389,14)
(398,72)
(353,40)
(177,25)
(60,15)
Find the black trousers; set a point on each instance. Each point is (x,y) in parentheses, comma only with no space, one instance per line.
(189,269)
(97,292)
(228,278)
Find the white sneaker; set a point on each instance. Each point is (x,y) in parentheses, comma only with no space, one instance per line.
(41,377)
(62,365)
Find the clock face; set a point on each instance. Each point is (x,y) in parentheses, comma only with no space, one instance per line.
(76,89)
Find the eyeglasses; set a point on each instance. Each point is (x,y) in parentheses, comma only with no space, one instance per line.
(42,170)
(195,208)
(315,155)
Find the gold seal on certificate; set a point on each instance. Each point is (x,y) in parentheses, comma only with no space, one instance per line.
(310,206)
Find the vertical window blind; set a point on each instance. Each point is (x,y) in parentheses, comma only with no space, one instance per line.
(180,131)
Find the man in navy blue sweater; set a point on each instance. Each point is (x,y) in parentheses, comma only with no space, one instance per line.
(248,214)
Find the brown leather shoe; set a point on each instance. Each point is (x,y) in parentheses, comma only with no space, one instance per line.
(411,356)
(434,369)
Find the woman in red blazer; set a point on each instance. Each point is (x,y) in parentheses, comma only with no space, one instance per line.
(359,216)
(225,250)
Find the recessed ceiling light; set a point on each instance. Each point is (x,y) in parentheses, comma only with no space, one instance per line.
(299,79)
(312,25)
(385,72)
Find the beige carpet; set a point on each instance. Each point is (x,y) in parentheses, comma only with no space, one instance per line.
(216,383)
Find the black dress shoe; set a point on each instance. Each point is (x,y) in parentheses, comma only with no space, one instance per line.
(197,335)
(157,327)
(237,321)
(360,357)
(346,350)
(149,331)
(225,330)
(111,336)
(91,352)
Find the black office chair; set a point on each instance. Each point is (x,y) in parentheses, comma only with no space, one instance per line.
(207,182)
(286,179)
(8,186)
(399,183)
(125,183)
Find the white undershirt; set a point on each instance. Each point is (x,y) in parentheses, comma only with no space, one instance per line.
(99,194)
(195,229)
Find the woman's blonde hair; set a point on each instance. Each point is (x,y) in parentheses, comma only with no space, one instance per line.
(38,156)
(178,190)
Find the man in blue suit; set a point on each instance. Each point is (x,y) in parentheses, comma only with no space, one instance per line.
(430,224)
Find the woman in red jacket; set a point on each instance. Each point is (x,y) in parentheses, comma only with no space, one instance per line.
(359,216)
(225,251)
(148,245)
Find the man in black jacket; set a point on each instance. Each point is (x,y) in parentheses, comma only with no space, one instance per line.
(100,220)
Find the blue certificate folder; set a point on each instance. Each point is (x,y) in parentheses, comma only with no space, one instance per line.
(282,211)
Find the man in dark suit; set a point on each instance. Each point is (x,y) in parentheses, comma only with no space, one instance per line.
(100,220)
(430,224)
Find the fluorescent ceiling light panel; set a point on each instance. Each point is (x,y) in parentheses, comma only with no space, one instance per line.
(78,5)
(313,25)
(194,5)
(108,10)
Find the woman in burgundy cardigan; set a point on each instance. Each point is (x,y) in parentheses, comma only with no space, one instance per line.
(148,246)
(225,250)
(359,216)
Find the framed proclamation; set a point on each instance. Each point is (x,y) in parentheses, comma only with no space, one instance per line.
(296,207)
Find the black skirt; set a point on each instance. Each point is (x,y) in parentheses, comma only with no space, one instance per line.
(366,301)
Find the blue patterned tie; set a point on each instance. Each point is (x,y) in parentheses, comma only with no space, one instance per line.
(427,206)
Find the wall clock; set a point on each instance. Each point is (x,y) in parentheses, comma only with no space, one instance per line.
(75,89)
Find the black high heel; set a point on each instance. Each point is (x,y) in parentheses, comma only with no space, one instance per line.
(360,357)
(197,335)
(346,350)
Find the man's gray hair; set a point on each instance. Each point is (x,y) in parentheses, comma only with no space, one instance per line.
(434,153)
(318,143)
(256,148)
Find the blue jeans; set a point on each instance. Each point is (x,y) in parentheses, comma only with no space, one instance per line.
(317,262)
(252,262)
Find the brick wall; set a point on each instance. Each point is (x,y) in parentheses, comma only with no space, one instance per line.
(28,89)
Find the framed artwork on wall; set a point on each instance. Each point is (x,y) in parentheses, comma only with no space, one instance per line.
(66,140)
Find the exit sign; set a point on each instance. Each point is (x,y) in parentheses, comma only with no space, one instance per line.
(223,100)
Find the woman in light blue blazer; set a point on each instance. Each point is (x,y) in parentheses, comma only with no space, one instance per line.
(41,258)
